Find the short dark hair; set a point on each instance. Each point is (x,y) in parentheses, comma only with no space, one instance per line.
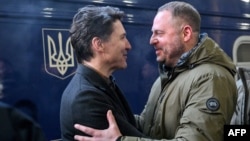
(89,22)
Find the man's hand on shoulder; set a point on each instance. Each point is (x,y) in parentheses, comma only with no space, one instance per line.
(112,133)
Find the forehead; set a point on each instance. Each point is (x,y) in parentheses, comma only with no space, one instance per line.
(161,20)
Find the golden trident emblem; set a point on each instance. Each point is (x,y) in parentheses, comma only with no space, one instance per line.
(58,53)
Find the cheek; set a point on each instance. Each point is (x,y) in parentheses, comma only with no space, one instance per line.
(115,53)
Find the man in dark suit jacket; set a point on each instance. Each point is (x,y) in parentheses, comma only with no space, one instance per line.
(101,47)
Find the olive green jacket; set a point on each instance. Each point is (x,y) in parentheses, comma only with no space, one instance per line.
(192,101)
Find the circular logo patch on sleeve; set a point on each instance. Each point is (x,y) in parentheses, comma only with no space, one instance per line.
(213,104)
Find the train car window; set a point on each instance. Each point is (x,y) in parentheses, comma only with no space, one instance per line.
(241,49)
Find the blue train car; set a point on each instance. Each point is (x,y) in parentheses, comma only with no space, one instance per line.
(34,39)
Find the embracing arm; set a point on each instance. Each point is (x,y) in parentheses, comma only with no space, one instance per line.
(112,133)
(198,122)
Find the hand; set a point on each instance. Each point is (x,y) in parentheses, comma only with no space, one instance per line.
(109,134)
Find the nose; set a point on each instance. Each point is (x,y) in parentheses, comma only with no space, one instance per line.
(128,45)
(152,40)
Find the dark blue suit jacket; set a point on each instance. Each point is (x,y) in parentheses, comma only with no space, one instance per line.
(86,101)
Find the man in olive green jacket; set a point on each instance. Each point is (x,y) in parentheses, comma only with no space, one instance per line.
(195,94)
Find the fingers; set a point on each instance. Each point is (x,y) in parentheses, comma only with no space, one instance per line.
(85,129)
(82,138)
(113,127)
(111,118)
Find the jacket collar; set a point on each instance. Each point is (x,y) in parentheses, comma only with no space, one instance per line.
(94,77)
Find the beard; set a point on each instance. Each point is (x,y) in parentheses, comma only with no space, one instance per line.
(172,56)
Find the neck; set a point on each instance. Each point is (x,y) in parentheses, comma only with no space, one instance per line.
(98,68)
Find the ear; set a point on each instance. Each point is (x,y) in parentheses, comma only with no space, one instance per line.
(97,44)
(187,32)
